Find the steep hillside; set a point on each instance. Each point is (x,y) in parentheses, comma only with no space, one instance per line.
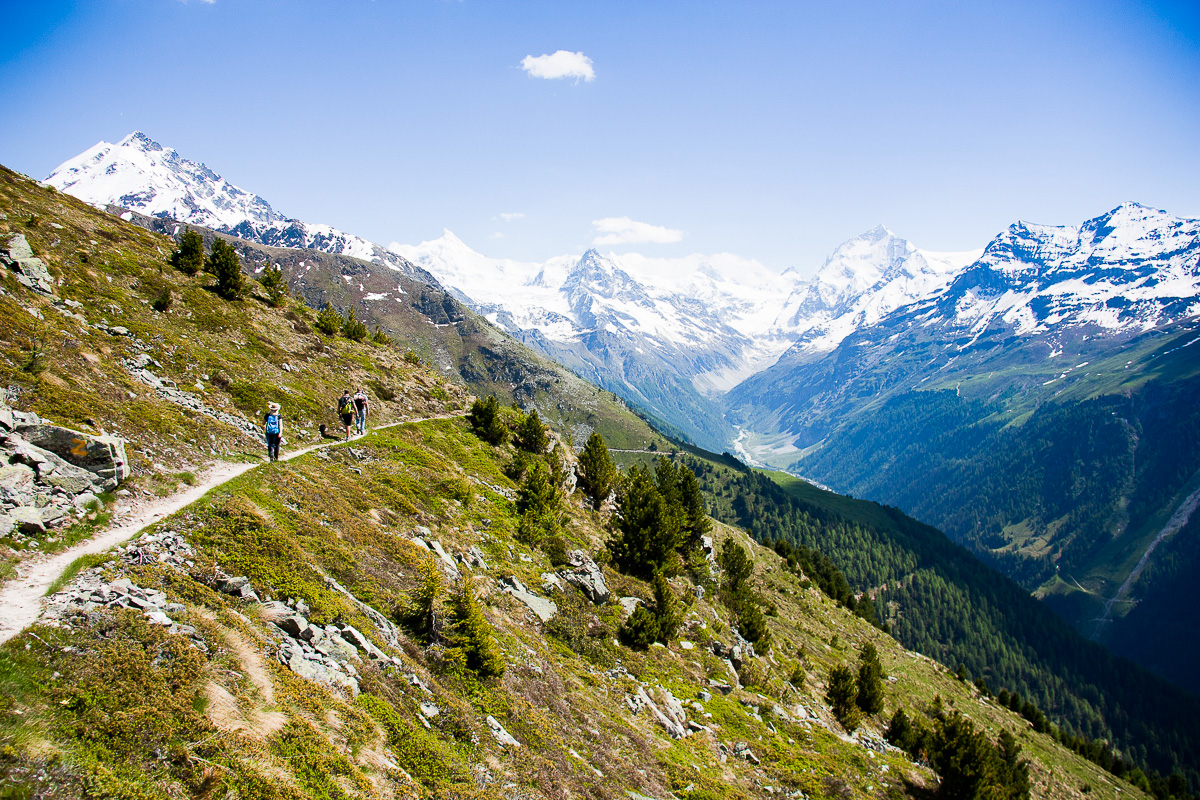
(938,599)
(312,645)
(114,340)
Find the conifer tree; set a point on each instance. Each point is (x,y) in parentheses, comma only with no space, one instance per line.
(641,629)
(352,328)
(189,257)
(471,638)
(530,434)
(226,266)
(486,421)
(870,680)
(379,337)
(646,533)
(539,502)
(667,609)
(696,523)
(420,616)
(273,286)
(599,474)
(329,321)
(841,696)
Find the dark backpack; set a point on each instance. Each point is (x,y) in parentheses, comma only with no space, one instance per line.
(346,405)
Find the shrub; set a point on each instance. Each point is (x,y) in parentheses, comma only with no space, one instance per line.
(189,257)
(530,434)
(379,337)
(352,328)
(273,286)
(164,300)
(599,475)
(640,630)
(471,639)
(870,681)
(329,321)
(226,266)
(486,421)
(842,695)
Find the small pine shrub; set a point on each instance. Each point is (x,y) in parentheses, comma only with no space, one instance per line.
(329,321)
(226,266)
(379,337)
(640,630)
(471,639)
(163,301)
(189,257)
(352,328)
(273,286)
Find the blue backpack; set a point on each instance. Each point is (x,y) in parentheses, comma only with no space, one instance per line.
(272,423)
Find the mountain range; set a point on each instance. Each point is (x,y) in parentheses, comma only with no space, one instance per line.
(1030,398)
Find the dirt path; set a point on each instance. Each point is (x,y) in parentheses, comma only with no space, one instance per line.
(1180,518)
(21,597)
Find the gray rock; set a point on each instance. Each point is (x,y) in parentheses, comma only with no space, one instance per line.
(233,585)
(356,638)
(158,618)
(103,456)
(31,271)
(583,572)
(474,557)
(31,520)
(742,750)
(16,484)
(292,624)
(502,736)
(429,710)
(630,604)
(540,606)
(8,524)
(175,609)
(332,645)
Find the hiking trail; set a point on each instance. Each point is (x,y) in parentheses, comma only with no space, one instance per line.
(21,598)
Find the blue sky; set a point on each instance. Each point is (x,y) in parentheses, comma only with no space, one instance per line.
(774,130)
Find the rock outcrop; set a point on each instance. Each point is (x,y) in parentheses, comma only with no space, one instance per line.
(17,255)
(583,572)
(49,474)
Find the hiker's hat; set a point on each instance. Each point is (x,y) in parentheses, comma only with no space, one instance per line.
(272,406)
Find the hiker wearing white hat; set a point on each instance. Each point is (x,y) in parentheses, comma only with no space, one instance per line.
(273,430)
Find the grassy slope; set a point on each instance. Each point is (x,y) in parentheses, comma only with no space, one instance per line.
(85,713)
(110,272)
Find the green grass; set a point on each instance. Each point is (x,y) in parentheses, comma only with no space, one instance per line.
(75,567)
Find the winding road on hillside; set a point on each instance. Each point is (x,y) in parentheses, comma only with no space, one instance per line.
(1180,518)
(21,598)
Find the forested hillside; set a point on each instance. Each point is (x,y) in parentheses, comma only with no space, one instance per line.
(939,599)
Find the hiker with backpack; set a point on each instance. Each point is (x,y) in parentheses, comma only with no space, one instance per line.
(362,406)
(345,410)
(273,430)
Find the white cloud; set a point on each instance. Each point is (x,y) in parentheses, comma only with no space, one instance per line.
(509,217)
(623,230)
(496,235)
(560,64)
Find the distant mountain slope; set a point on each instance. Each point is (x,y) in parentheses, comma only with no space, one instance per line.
(672,335)
(942,601)
(1038,410)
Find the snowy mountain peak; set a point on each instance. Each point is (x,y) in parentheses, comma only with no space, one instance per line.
(140,174)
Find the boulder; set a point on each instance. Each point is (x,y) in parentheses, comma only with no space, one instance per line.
(502,736)
(583,572)
(33,520)
(543,608)
(31,271)
(16,485)
(103,456)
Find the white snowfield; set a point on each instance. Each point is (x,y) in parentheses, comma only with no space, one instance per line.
(718,319)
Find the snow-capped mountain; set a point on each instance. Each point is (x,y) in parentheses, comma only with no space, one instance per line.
(138,173)
(1128,270)
(1037,296)
(672,335)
